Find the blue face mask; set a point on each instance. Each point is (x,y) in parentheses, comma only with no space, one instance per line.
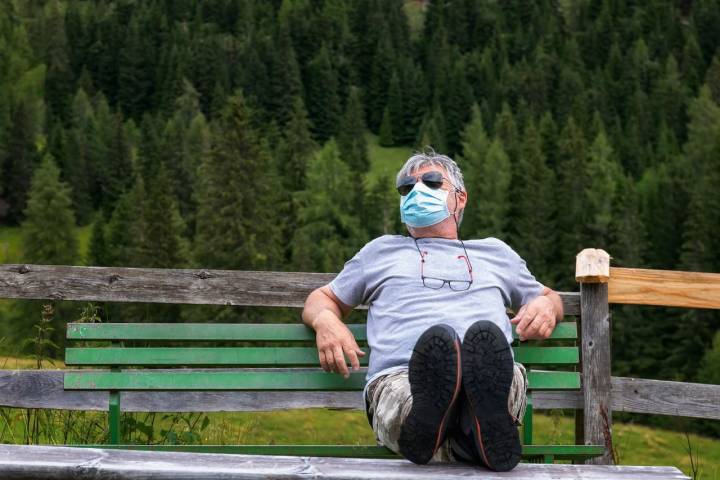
(423,206)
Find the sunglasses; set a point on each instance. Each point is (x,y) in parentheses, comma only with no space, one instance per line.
(433,180)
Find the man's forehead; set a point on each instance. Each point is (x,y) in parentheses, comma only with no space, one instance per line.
(429,168)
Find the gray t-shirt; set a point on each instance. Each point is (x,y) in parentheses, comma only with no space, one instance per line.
(385,276)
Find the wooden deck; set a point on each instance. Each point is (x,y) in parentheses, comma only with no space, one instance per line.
(36,462)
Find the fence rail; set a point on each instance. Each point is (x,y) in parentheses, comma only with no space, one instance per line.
(44,389)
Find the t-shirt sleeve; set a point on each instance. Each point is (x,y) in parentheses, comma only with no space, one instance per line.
(349,284)
(523,286)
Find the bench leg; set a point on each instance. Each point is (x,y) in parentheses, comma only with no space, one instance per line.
(527,422)
(114,418)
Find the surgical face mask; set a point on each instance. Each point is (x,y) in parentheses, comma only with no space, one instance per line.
(423,206)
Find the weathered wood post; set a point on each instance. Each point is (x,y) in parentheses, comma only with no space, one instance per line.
(592,271)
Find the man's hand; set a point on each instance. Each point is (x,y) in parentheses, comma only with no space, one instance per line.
(535,320)
(334,340)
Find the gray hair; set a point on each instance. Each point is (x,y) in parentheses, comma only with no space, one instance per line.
(429,157)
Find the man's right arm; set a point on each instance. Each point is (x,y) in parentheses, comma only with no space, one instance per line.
(324,312)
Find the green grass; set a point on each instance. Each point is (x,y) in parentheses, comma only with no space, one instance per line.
(11,250)
(384,162)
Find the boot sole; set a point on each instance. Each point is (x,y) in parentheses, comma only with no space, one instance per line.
(487,371)
(435,379)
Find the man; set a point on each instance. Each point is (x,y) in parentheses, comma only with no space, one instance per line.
(441,381)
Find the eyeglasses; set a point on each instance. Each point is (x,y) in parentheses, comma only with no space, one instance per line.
(437,283)
(432,179)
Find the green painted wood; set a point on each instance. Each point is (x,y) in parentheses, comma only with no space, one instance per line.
(230,331)
(544,380)
(528,421)
(564,452)
(267,356)
(259,380)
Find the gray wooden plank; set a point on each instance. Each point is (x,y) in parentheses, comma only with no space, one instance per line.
(44,389)
(168,285)
(31,462)
(596,358)
(680,399)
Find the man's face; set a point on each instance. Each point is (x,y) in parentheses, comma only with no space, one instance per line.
(453,200)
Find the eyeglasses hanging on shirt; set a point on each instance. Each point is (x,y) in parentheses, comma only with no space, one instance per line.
(436,283)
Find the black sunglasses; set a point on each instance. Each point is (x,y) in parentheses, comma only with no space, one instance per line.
(433,180)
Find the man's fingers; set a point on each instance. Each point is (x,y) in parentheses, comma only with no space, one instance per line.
(340,362)
(525,321)
(518,316)
(323,361)
(352,355)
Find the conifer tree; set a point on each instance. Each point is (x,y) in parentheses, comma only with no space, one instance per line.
(49,227)
(432,131)
(533,235)
(712,78)
(284,78)
(351,138)
(162,244)
(235,226)
(97,249)
(296,149)
(381,211)
(322,95)
(329,231)
(701,246)
(386,129)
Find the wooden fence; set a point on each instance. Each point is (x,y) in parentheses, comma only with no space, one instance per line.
(600,286)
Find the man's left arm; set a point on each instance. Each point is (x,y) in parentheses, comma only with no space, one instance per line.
(537,318)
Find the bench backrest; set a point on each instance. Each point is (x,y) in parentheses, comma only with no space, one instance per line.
(270,357)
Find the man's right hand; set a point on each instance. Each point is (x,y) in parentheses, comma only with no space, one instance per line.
(334,341)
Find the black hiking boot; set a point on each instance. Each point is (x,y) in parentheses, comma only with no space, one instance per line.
(435,381)
(487,373)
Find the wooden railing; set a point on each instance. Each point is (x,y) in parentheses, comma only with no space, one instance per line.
(600,286)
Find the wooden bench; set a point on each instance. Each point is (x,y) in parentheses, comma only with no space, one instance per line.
(269,370)
(285,377)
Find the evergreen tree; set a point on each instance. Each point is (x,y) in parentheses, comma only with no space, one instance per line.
(296,149)
(322,95)
(49,227)
(432,131)
(386,129)
(328,230)
(235,226)
(712,78)
(97,249)
(532,234)
(162,244)
(351,138)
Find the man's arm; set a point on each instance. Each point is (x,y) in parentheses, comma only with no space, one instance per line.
(324,312)
(537,318)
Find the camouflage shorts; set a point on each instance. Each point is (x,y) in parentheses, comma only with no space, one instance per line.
(389,401)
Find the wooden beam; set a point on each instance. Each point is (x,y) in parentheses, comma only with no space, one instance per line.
(678,399)
(44,389)
(664,288)
(592,272)
(167,285)
(592,265)
(33,461)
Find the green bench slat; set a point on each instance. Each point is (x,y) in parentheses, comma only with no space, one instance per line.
(258,356)
(259,380)
(230,331)
(563,452)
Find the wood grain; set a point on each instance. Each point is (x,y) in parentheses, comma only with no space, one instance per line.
(166,285)
(32,462)
(44,389)
(664,288)
(596,362)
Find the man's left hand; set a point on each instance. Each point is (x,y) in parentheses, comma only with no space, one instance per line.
(535,320)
